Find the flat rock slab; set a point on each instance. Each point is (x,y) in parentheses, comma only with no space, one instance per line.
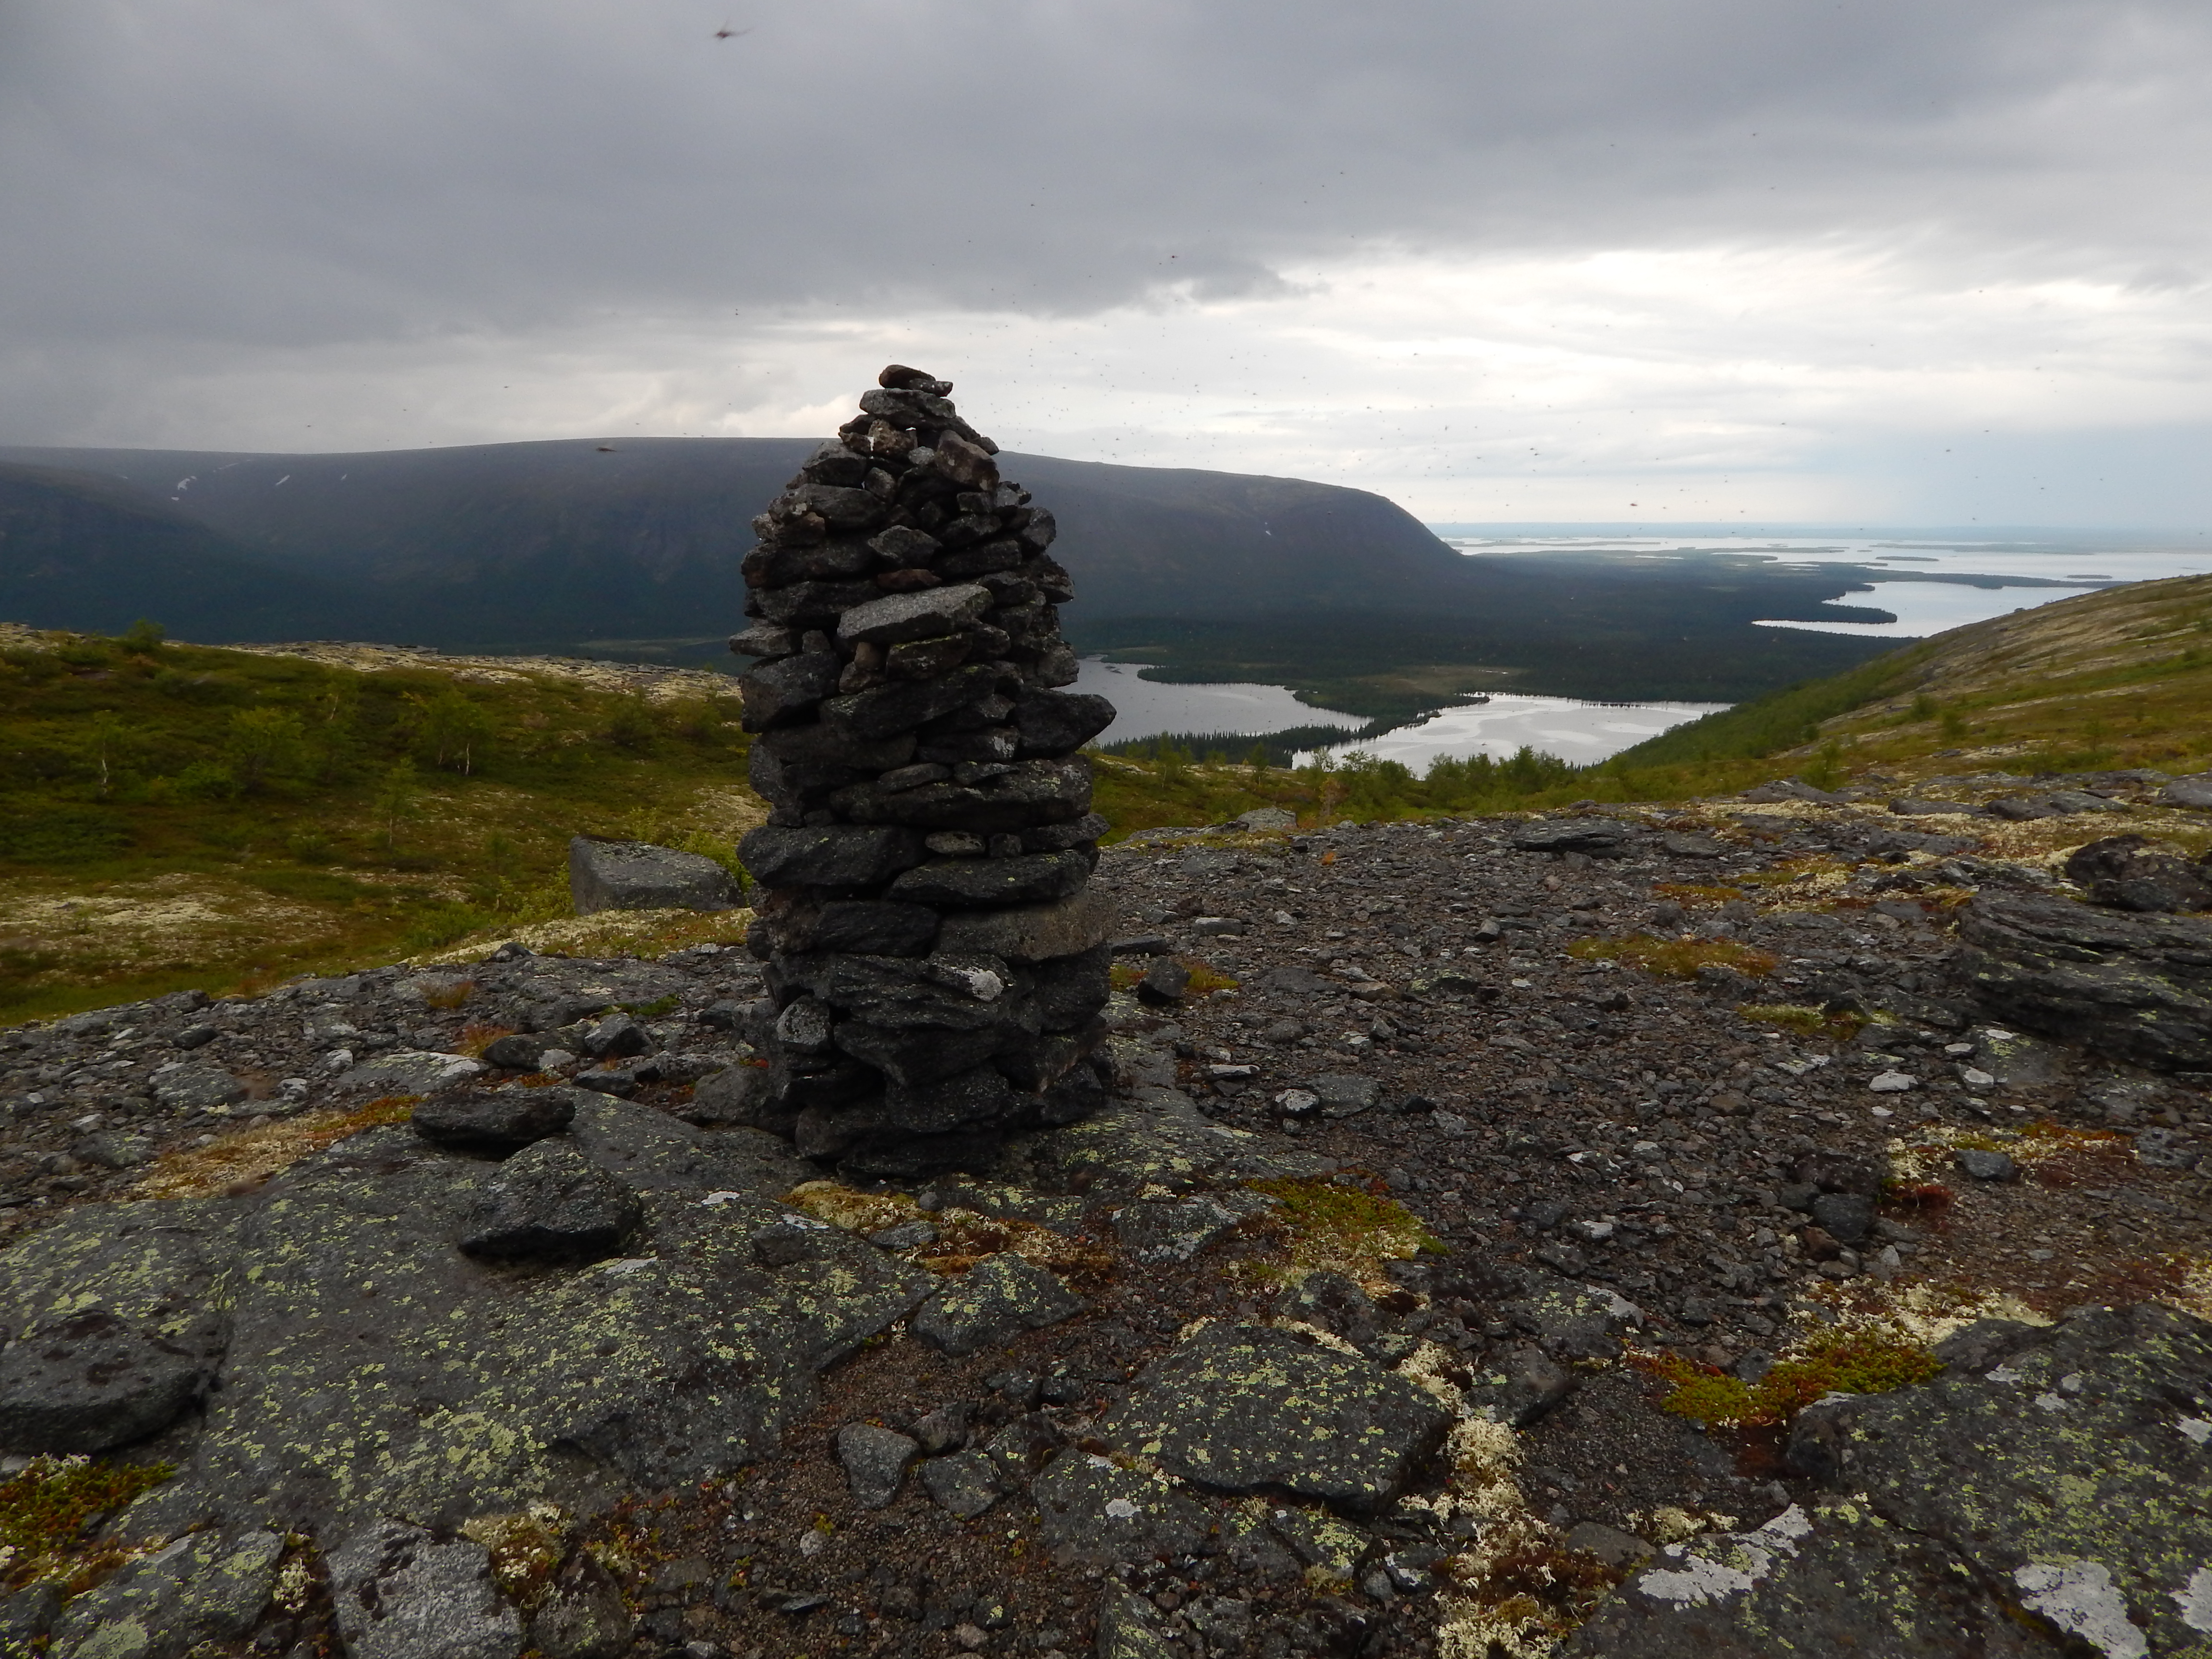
(186,1087)
(495,1121)
(1001,1298)
(1097,1513)
(373,1369)
(91,1381)
(1838,1581)
(2091,1446)
(205,1587)
(1584,1322)
(401,1594)
(1151,1230)
(1246,1408)
(636,875)
(411,1071)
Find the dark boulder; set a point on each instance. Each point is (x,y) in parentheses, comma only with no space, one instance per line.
(2132,873)
(2138,987)
(550,1202)
(495,1121)
(93,1381)
(1596,837)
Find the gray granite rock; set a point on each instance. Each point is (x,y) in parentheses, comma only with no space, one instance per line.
(2138,987)
(964,1484)
(636,875)
(875,1461)
(999,1298)
(2041,1498)
(91,1381)
(549,1202)
(399,1594)
(187,1086)
(495,1121)
(1096,1512)
(1246,1408)
(205,1587)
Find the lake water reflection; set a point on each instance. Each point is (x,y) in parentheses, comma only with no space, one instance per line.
(1582,732)
(1147,709)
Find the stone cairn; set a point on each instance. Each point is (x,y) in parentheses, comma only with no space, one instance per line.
(935,967)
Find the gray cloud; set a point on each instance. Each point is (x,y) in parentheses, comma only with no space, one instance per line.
(193,180)
(271,173)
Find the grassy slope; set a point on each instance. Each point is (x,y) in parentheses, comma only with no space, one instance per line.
(2113,680)
(246,829)
(172,877)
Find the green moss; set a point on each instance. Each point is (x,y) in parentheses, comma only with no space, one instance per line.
(1334,1226)
(1677,958)
(1856,1363)
(1804,1020)
(47,1510)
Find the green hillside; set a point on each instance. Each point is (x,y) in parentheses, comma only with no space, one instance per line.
(176,815)
(2109,680)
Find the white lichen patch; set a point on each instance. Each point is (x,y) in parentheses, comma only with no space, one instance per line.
(605,934)
(1920,1312)
(2195,1599)
(173,920)
(1729,1564)
(2080,1598)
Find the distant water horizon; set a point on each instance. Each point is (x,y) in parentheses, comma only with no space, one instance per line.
(1930,579)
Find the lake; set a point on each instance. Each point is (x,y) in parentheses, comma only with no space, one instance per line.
(1582,732)
(1148,708)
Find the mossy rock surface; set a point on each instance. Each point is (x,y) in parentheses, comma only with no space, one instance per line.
(372,1368)
(2054,1502)
(1247,1408)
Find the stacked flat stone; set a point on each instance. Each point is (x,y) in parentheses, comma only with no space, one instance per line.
(936,966)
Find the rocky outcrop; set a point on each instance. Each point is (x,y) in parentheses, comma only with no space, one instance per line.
(680,1361)
(2043,1496)
(2138,986)
(935,968)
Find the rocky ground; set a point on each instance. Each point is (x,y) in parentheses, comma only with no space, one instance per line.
(1442,1153)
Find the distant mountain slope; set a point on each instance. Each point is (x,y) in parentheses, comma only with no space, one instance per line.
(631,547)
(94,553)
(643,535)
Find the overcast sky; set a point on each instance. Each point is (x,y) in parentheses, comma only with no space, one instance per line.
(1881,261)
